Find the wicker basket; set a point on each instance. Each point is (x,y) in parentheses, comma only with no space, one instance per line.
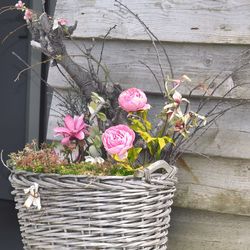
(109,212)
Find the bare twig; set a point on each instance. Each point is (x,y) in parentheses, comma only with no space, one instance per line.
(29,67)
(154,75)
(38,75)
(4,164)
(151,34)
(102,49)
(12,32)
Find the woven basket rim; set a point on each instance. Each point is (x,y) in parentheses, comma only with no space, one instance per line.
(100,177)
(96,177)
(70,176)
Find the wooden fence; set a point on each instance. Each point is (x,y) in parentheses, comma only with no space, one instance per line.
(204,39)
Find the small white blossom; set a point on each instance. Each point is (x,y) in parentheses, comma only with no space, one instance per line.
(94,160)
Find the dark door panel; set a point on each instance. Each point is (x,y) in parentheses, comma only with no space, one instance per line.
(13,116)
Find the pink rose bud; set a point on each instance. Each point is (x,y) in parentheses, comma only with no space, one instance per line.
(27,14)
(62,21)
(117,140)
(177,97)
(132,100)
(19,5)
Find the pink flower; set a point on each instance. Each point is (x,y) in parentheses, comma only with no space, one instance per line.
(132,100)
(19,5)
(74,128)
(117,140)
(62,21)
(179,126)
(27,14)
(177,97)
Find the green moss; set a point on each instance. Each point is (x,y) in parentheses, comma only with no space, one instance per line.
(45,160)
(81,169)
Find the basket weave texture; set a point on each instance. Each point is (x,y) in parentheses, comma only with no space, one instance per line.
(108,212)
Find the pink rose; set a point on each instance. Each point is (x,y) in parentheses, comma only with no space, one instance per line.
(117,140)
(132,100)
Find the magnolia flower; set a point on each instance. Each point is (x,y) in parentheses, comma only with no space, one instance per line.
(74,128)
(132,100)
(94,160)
(117,140)
(27,14)
(34,196)
(19,5)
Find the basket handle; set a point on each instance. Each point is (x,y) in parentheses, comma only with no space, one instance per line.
(161,164)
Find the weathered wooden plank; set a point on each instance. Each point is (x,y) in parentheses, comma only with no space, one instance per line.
(214,184)
(199,62)
(198,21)
(200,230)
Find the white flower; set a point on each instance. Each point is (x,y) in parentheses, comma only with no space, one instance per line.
(34,196)
(94,160)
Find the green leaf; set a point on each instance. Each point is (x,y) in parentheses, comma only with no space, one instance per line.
(146,136)
(133,154)
(162,143)
(102,116)
(96,98)
(168,139)
(144,114)
(118,159)
(148,125)
(92,107)
(137,125)
(151,147)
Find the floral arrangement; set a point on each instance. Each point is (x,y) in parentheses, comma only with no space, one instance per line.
(106,130)
(125,147)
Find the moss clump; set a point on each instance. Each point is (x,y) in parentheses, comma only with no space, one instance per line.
(45,160)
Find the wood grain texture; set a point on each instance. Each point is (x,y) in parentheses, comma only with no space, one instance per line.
(201,230)
(199,62)
(214,184)
(199,21)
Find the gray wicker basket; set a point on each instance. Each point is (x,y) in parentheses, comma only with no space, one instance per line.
(110,212)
